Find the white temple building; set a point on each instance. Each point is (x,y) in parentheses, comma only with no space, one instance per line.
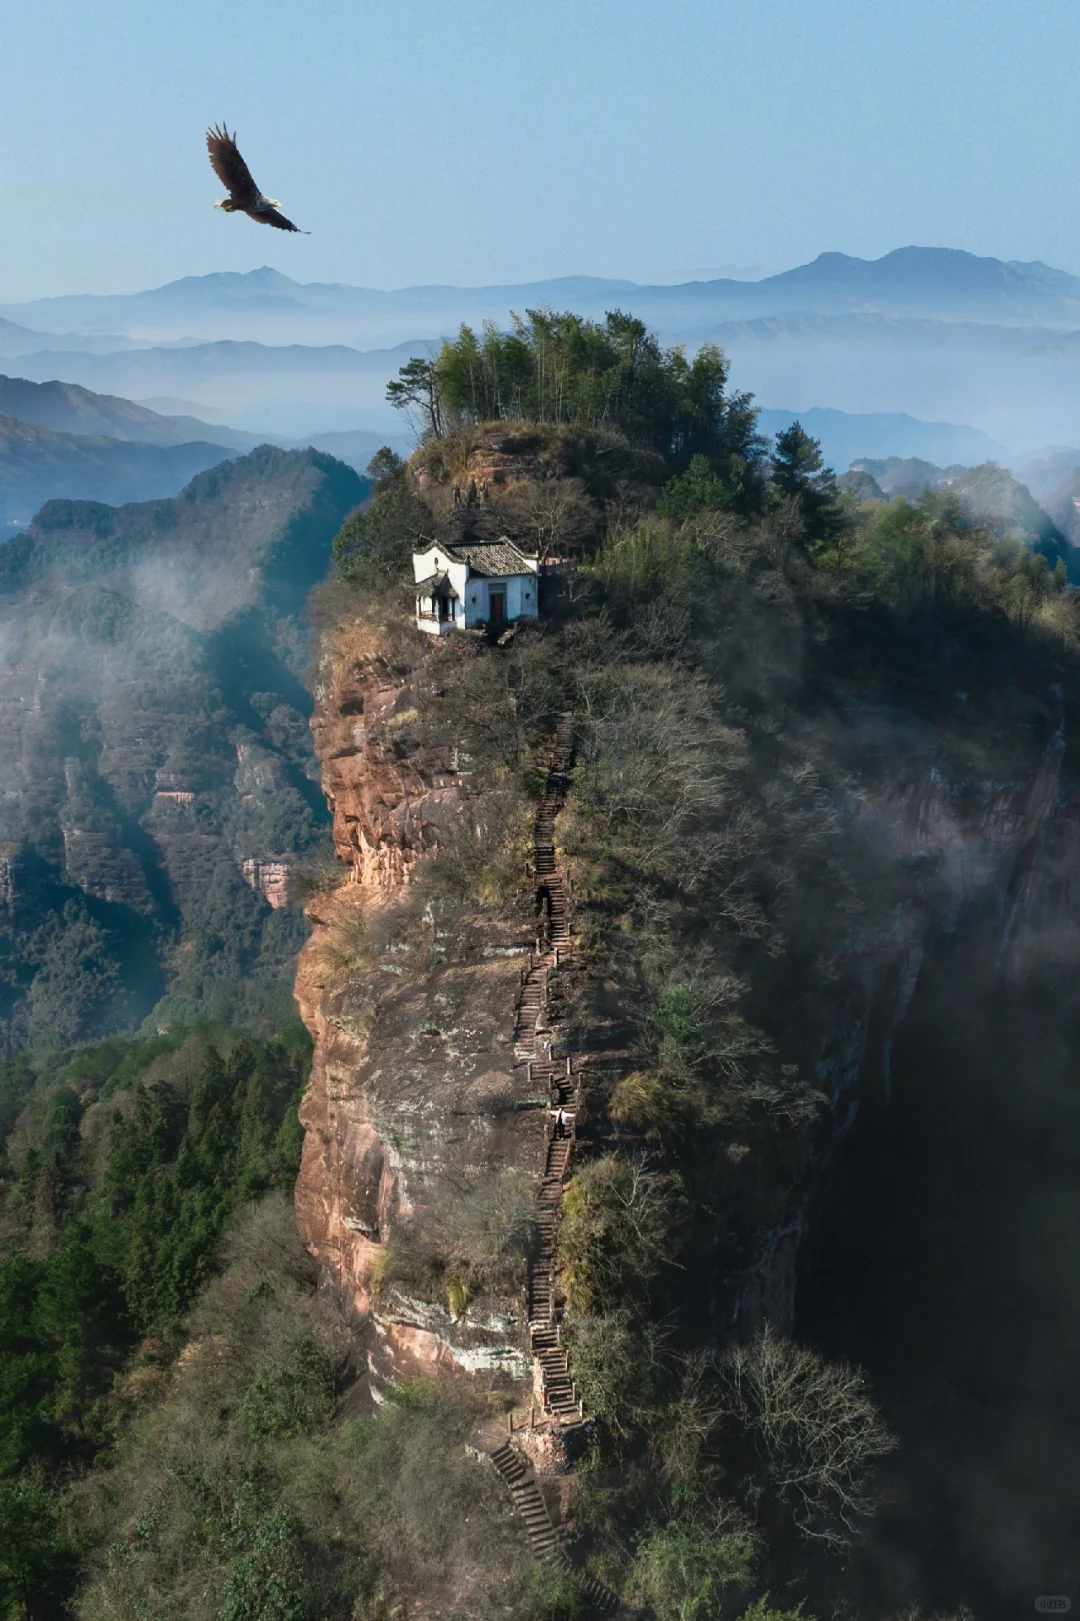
(475,584)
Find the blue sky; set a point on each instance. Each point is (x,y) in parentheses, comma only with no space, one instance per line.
(477,141)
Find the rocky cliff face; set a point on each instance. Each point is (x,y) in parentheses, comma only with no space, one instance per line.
(385,793)
(968,814)
(414,1083)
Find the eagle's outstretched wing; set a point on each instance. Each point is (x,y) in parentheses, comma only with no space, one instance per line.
(274,216)
(230,167)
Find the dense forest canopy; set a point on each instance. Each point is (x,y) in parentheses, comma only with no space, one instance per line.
(561,368)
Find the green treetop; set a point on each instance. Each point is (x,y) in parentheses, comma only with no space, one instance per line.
(561,368)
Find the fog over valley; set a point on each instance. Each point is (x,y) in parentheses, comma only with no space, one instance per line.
(937,334)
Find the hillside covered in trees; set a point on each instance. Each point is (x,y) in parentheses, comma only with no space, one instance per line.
(794,704)
(153,712)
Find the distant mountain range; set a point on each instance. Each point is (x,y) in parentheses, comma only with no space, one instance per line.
(37,465)
(265,305)
(188,367)
(844,436)
(70,408)
(285,392)
(21,340)
(933,333)
(933,352)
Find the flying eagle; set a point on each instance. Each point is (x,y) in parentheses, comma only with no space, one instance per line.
(244,195)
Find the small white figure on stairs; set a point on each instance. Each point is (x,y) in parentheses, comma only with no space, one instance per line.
(562,1121)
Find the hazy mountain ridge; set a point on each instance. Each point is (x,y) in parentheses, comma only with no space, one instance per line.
(1056,480)
(70,408)
(17,340)
(284,391)
(38,464)
(82,458)
(912,280)
(293,391)
(153,737)
(932,333)
(846,435)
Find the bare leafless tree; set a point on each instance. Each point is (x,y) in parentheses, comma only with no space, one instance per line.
(813,1431)
(551,517)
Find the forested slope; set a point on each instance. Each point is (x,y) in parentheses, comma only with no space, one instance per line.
(36,462)
(153,716)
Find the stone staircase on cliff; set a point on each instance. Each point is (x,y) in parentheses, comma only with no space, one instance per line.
(544,1539)
(532,1041)
(555,1385)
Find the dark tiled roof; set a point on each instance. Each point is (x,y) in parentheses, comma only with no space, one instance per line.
(491,559)
(436,585)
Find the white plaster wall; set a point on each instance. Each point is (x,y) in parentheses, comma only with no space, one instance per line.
(521,598)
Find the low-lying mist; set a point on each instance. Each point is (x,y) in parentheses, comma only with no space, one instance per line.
(948,1264)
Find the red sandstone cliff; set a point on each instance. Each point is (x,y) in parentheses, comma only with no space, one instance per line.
(413,1078)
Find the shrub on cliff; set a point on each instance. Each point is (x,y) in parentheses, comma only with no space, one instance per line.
(292,1391)
(693,1571)
(617,1357)
(483,849)
(718,1479)
(374,548)
(621,1226)
(472,1239)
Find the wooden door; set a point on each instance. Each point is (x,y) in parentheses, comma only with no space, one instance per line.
(497,607)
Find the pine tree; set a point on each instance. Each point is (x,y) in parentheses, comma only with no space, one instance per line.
(799,474)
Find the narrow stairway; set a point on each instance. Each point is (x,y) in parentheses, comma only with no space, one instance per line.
(528,1500)
(532,1042)
(544,1539)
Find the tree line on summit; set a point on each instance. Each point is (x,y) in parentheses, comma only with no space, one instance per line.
(570,377)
